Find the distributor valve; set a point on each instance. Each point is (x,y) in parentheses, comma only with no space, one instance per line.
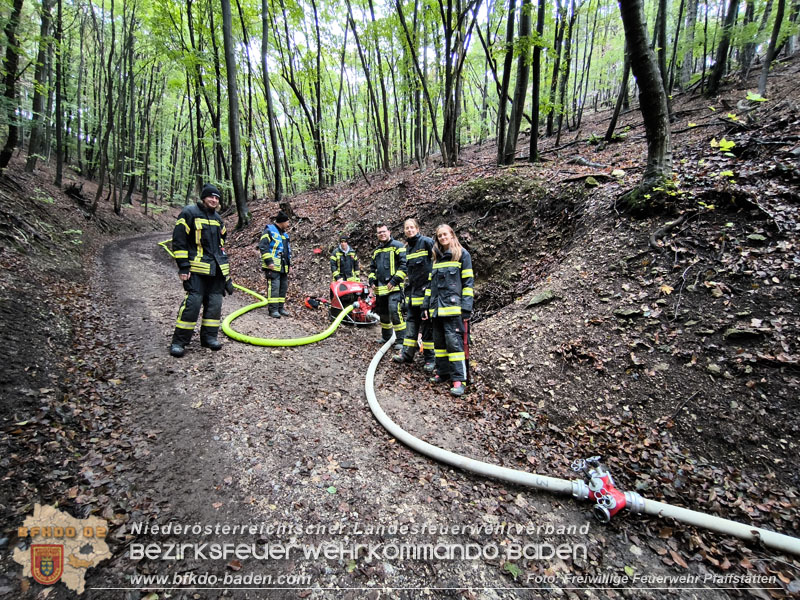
(599,486)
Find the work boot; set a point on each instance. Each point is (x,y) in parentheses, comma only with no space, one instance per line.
(283,312)
(275,314)
(211,344)
(458,388)
(429,366)
(398,347)
(402,357)
(177,350)
(436,378)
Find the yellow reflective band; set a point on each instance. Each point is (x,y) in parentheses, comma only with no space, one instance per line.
(386,325)
(448,311)
(409,342)
(210,322)
(184,223)
(467,273)
(401,249)
(181,254)
(382,290)
(456,356)
(391,263)
(419,254)
(184,324)
(427,345)
(439,353)
(400,326)
(417,301)
(446,265)
(266,235)
(225,268)
(401,275)
(206,222)
(428,293)
(467,292)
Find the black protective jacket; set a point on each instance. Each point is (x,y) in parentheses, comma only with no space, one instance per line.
(450,292)
(198,241)
(388,266)
(419,260)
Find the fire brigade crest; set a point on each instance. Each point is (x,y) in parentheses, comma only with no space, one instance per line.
(47,562)
(55,546)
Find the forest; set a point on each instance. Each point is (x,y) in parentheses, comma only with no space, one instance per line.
(626,180)
(275,98)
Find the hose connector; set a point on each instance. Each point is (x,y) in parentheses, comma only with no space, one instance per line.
(600,487)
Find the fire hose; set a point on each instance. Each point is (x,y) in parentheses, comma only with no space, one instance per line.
(597,485)
(262,301)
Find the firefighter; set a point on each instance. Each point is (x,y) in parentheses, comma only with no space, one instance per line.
(198,245)
(386,275)
(419,259)
(344,262)
(448,303)
(276,258)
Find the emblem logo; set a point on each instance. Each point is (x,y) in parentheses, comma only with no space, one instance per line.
(47,562)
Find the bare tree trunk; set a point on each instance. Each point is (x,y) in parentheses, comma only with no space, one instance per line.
(10,64)
(623,90)
(521,86)
(233,117)
(273,135)
(722,50)
(39,77)
(652,101)
(59,95)
(565,75)
(535,91)
(507,62)
(773,41)
(687,62)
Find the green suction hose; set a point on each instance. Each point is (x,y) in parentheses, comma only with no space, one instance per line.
(259,341)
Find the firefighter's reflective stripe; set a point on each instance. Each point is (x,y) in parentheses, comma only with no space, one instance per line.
(210,323)
(184,223)
(200,267)
(447,264)
(455,356)
(440,352)
(419,254)
(410,343)
(427,345)
(386,325)
(180,254)
(417,301)
(467,292)
(467,273)
(184,324)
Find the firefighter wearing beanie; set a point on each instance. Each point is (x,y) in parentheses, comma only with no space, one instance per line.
(198,242)
(276,258)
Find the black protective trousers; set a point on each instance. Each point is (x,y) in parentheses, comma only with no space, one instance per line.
(448,343)
(205,291)
(414,326)
(277,286)
(389,309)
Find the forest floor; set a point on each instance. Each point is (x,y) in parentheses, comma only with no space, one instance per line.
(672,353)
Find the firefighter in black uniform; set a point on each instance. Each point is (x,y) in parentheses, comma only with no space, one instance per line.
(276,258)
(448,303)
(344,262)
(386,275)
(197,243)
(419,259)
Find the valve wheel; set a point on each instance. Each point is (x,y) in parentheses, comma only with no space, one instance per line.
(579,465)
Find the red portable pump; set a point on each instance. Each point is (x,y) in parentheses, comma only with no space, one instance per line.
(344,293)
(599,486)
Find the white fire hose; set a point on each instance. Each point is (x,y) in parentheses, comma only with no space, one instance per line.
(577,488)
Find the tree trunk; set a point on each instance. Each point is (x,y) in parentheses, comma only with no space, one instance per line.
(623,91)
(565,75)
(507,62)
(10,64)
(521,86)
(687,63)
(59,94)
(773,41)
(722,50)
(536,87)
(39,78)
(557,41)
(652,100)
(273,135)
(233,117)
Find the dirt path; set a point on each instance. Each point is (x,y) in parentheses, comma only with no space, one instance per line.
(283,440)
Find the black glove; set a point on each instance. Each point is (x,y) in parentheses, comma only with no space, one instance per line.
(466,315)
(229,287)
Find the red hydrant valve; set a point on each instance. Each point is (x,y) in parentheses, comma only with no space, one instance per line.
(608,499)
